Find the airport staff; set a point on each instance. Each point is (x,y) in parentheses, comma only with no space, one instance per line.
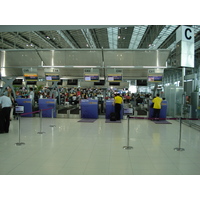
(6,105)
(118,101)
(157,106)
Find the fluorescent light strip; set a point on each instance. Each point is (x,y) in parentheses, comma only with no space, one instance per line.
(122,66)
(54,66)
(85,66)
(153,67)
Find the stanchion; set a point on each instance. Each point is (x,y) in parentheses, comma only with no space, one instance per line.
(41,132)
(128,147)
(19,143)
(52,125)
(179,148)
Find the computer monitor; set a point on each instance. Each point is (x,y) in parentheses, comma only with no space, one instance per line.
(19,109)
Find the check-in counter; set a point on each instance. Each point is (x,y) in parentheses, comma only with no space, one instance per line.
(89,108)
(163,111)
(46,104)
(111,108)
(27,103)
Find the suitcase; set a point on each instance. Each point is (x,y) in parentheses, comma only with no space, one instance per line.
(112,116)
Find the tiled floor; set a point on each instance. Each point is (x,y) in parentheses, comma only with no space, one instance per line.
(75,148)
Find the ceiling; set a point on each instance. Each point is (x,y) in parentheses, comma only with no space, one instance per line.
(91,37)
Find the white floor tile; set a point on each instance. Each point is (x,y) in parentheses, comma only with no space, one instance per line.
(74,148)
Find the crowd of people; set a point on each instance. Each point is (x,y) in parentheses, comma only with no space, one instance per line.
(73,96)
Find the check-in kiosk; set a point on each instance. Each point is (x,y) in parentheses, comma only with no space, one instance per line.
(89,108)
(163,111)
(27,103)
(111,108)
(47,104)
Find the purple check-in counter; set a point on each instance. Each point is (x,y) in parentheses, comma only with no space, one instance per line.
(111,108)
(27,103)
(89,108)
(45,105)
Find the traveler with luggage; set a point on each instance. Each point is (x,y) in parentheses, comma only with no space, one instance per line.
(156,106)
(117,103)
(6,105)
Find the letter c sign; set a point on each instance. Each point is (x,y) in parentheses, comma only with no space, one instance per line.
(188,35)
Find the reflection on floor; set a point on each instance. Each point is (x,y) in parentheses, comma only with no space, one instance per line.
(96,148)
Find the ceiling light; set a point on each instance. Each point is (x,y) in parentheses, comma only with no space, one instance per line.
(122,66)
(154,67)
(84,66)
(54,66)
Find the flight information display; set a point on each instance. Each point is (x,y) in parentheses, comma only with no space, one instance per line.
(30,76)
(52,77)
(155,78)
(91,77)
(114,77)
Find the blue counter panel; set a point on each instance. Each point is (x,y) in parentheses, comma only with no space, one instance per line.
(45,104)
(163,111)
(27,103)
(89,108)
(110,108)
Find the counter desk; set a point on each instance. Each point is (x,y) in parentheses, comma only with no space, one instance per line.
(28,107)
(89,108)
(45,104)
(163,111)
(111,108)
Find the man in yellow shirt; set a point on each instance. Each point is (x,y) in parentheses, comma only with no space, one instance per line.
(157,106)
(118,101)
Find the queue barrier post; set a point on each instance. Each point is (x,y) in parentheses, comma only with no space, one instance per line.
(128,147)
(52,125)
(179,148)
(41,132)
(19,143)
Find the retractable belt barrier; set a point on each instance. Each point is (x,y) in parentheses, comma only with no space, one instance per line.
(174,118)
(167,118)
(40,132)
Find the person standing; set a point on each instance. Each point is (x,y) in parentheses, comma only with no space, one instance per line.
(117,102)
(6,105)
(156,106)
(32,95)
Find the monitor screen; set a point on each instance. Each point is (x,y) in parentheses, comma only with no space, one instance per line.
(31,76)
(72,82)
(114,77)
(31,82)
(19,109)
(101,82)
(141,82)
(91,77)
(52,77)
(17,82)
(114,84)
(155,78)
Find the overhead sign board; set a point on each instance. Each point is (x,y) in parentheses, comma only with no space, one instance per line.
(185,33)
(185,47)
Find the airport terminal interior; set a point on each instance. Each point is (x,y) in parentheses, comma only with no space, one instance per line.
(62,81)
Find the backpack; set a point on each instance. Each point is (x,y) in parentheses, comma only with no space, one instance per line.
(112,116)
